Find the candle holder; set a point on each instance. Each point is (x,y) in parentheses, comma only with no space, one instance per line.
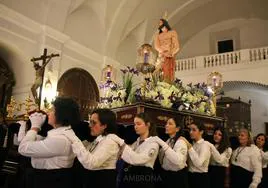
(108,73)
(146,59)
(215,82)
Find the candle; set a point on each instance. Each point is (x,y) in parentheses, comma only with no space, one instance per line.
(108,75)
(146,57)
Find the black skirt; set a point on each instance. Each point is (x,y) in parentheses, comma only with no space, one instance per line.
(56,178)
(240,177)
(198,180)
(138,177)
(217,176)
(172,179)
(100,178)
(264,180)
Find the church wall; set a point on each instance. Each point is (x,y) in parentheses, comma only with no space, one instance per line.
(259,108)
(22,38)
(250,33)
(127,51)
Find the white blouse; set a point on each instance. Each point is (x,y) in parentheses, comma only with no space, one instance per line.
(250,159)
(53,152)
(264,159)
(22,133)
(222,159)
(100,154)
(143,154)
(174,159)
(199,156)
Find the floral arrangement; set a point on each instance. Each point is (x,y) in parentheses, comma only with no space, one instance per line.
(114,95)
(196,98)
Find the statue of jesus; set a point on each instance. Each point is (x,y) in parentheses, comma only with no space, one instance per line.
(167,44)
(39,72)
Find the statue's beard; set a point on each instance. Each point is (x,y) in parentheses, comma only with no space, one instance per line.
(161,27)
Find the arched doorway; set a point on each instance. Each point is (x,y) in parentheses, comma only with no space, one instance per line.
(7,81)
(81,86)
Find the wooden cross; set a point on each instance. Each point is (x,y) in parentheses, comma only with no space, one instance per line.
(40,71)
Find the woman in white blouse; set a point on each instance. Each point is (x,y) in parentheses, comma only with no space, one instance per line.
(173,156)
(220,158)
(98,157)
(262,143)
(198,157)
(52,157)
(246,168)
(140,156)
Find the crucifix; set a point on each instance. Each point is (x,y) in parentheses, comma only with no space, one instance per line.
(39,74)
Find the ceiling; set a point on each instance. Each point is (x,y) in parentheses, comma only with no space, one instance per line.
(110,26)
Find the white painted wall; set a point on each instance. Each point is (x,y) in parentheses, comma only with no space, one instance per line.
(22,38)
(253,34)
(259,108)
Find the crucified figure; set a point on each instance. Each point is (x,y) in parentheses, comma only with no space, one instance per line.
(39,74)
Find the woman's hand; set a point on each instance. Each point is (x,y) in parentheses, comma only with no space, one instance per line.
(71,135)
(186,141)
(116,139)
(37,120)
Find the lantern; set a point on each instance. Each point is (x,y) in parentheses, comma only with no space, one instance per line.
(107,73)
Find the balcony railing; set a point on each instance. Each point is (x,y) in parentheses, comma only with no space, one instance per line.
(223,59)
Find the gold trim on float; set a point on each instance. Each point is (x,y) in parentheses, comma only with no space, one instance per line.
(163,118)
(126,116)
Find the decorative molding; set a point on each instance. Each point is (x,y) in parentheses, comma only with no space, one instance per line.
(82,62)
(230,85)
(19,19)
(233,67)
(55,34)
(18,35)
(37,28)
(84,51)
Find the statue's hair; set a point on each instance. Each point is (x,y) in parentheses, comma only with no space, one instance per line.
(165,24)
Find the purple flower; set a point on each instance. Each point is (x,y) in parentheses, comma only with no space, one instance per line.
(159,96)
(138,94)
(136,72)
(131,70)
(110,99)
(109,81)
(148,80)
(101,86)
(204,84)
(114,86)
(124,71)
(172,97)
(190,85)
(198,85)
(177,81)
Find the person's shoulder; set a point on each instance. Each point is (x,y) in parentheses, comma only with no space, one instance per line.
(173,32)
(180,143)
(254,147)
(109,140)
